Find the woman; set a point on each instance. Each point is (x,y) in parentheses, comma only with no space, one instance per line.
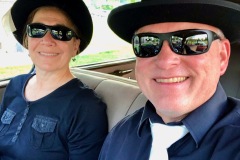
(50,114)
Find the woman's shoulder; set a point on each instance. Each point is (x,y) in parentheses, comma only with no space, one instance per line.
(19,80)
(81,94)
(22,77)
(82,89)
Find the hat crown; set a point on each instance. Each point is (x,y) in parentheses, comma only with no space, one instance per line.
(223,14)
(234,1)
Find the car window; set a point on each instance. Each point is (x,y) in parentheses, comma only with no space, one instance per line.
(104,47)
(14,58)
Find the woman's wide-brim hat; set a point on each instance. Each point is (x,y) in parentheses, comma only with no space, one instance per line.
(225,15)
(15,19)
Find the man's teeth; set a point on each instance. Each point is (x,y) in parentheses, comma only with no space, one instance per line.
(171,80)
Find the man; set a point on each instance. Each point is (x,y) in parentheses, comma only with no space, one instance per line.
(182,49)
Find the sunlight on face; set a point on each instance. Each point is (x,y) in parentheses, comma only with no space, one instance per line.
(178,84)
(47,52)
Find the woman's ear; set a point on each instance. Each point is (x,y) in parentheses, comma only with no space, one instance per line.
(225,55)
(77,46)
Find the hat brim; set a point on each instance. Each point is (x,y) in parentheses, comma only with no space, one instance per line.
(225,15)
(76,9)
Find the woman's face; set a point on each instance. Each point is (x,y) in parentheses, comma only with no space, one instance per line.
(47,53)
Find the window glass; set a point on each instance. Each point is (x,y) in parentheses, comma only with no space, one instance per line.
(14,58)
(105,45)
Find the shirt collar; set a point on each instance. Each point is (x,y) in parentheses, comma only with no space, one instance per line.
(202,119)
(198,122)
(148,111)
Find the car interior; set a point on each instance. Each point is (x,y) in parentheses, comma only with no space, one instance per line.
(123,96)
(231,79)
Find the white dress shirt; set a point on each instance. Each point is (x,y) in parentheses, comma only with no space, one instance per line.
(163,137)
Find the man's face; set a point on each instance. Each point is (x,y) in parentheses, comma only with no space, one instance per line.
(178,84)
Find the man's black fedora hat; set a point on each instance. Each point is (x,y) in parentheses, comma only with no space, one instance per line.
(15,19)
(225,15)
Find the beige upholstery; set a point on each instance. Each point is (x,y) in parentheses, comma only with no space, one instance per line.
(121,95)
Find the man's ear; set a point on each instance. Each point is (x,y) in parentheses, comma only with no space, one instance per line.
(225,52)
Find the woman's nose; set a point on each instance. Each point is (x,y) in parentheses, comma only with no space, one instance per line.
(48,39)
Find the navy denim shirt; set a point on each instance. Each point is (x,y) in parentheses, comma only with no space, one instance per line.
(69,123)
(214,133)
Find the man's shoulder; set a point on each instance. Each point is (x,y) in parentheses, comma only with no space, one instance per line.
(228,137)
(235,104)
(231,117)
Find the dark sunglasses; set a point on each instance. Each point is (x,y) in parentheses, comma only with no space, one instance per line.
(58,32)
(184,42)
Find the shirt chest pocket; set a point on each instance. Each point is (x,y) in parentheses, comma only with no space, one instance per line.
(6,121)
(43,132)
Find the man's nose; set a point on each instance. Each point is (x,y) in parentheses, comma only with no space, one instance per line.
(166,58)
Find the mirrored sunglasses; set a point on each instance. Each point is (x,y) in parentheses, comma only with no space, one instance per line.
(58,32)
(184,42)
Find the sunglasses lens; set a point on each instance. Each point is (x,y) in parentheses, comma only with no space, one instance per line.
(36,30)
(146,46)
(61,33)
(196,44)
(190,43)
